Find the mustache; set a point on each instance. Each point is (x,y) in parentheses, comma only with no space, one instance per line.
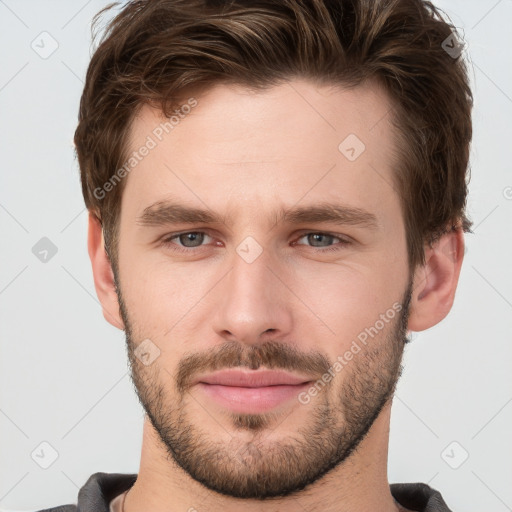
(270,354)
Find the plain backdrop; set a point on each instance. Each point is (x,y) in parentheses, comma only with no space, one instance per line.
(64,378)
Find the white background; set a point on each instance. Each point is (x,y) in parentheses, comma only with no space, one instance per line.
(63,369)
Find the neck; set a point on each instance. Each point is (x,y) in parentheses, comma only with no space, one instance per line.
(359,483)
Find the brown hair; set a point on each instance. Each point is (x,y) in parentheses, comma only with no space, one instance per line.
(153,51)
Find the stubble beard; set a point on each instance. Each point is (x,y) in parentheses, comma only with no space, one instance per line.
(255,462)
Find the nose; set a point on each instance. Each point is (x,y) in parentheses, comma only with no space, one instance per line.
(252,304)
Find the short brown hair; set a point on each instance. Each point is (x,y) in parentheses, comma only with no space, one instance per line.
(154,50)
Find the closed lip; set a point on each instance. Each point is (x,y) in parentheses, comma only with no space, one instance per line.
(252,378)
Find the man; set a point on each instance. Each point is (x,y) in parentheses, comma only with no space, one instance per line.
(276,195)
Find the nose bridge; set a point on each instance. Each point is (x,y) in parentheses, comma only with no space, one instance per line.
(251,299)
(250,272)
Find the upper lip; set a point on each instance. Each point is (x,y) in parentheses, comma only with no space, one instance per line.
(252,378)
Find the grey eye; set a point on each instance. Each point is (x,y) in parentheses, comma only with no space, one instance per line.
(319,239)
(192,239)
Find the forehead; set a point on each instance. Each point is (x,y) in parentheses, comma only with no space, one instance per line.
(293,139)
(224,113)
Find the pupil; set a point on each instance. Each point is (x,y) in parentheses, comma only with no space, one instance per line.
(190,239)
(316,238)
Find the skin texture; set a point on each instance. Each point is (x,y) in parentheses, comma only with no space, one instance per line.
(243,156)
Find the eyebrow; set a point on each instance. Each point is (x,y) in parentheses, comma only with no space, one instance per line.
(164,213)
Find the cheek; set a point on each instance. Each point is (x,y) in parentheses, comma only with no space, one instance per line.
(158,296)
(347,299)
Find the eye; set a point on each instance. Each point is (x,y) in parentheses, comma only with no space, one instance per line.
(188,240)
(323,241)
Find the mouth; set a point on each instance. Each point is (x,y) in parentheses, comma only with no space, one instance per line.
(253,391)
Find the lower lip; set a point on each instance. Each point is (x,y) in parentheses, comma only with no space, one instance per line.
(252,400)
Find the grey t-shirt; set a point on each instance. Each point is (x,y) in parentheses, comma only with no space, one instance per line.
(102,488)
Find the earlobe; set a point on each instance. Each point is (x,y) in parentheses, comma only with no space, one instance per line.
(435,283)
(102,272)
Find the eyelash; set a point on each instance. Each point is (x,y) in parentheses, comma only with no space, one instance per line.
(167,242)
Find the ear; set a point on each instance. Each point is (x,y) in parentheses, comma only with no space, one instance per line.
(434,283)
(102,272)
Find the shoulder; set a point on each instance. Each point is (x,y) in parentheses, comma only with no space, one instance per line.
(60,508)
(419,496)
(97,493)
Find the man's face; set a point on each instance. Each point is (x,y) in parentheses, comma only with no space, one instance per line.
(268,283)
